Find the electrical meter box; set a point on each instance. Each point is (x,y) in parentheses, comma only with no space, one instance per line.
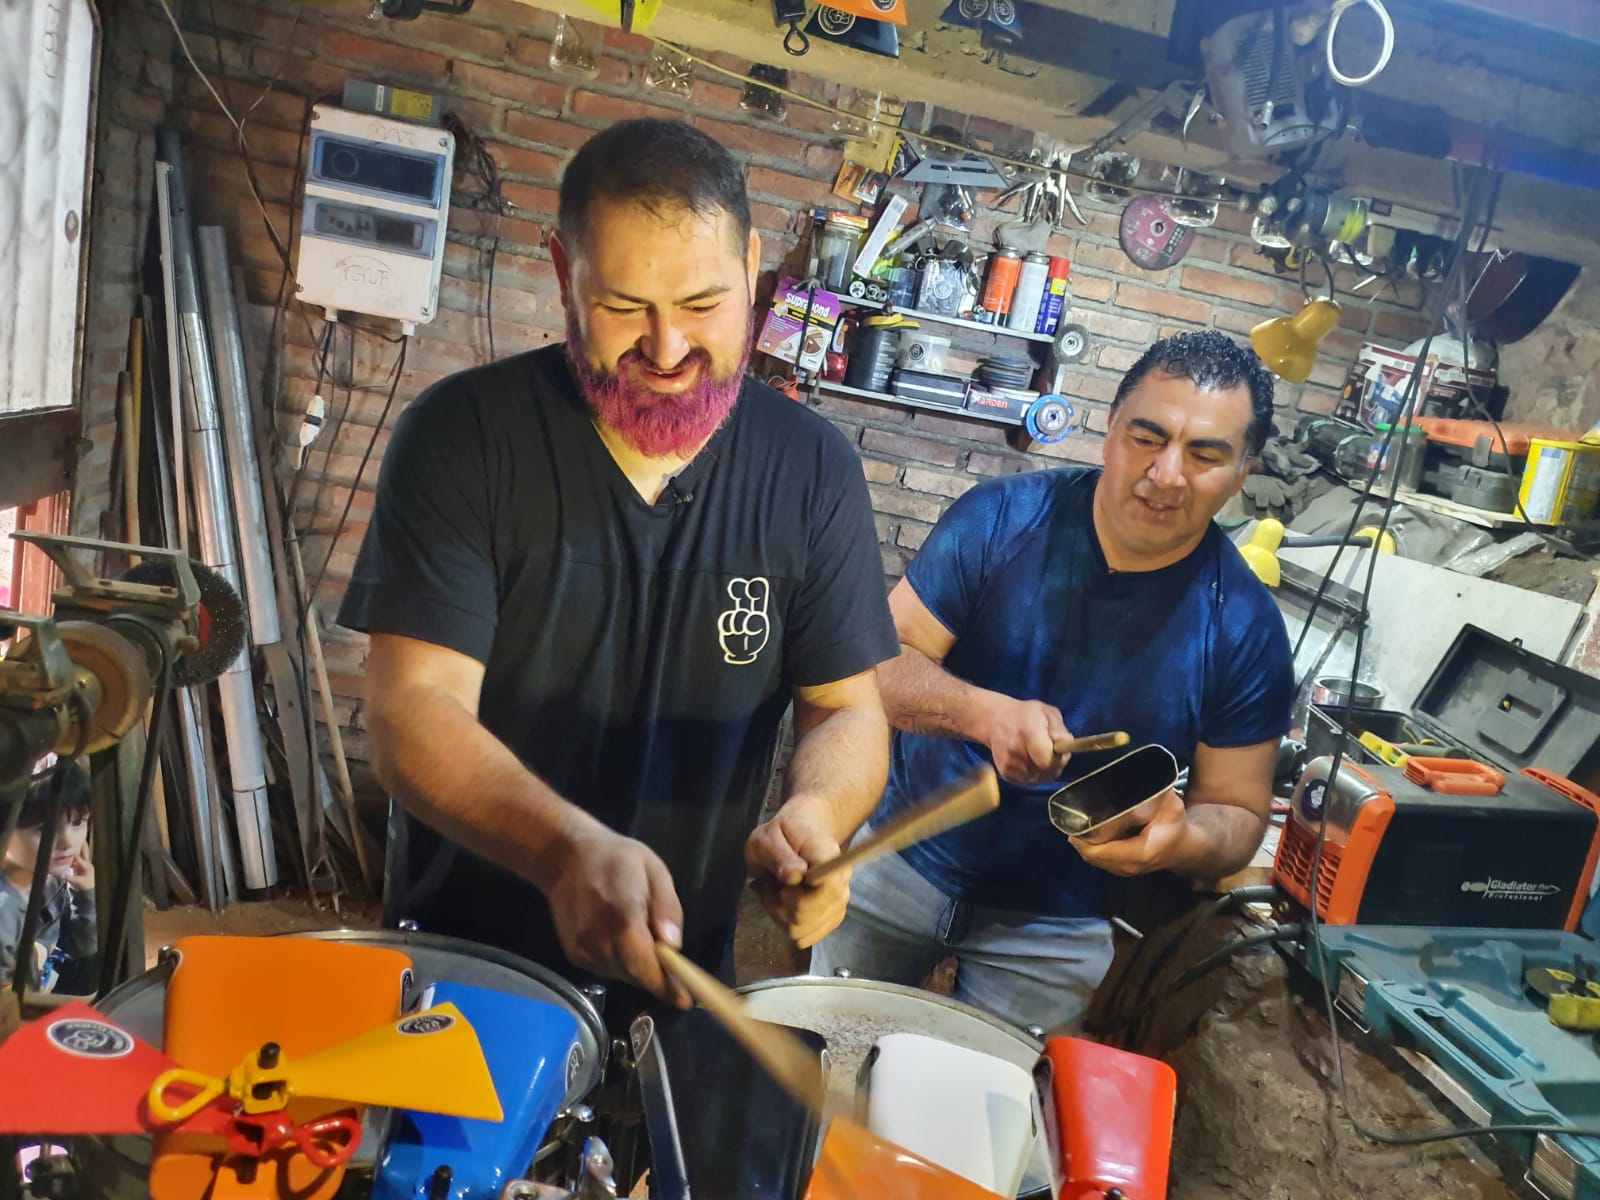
(372,224)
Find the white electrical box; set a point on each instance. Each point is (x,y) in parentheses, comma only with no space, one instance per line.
(372,225)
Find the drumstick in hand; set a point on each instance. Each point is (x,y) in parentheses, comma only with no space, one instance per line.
(776,1050)
(1095,741)
(975,793)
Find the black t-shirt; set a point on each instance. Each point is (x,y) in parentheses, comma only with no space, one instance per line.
(638,657)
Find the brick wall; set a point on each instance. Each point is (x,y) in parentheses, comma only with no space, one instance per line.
(492,69)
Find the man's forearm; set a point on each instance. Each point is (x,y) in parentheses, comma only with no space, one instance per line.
(1221,839)
(838,769)
(920,696)
(445,768)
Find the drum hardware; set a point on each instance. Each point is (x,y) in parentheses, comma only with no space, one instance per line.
(778,1051)
(596,1179)
(669,1170)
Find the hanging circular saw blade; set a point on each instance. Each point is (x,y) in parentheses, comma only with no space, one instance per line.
(1150,236)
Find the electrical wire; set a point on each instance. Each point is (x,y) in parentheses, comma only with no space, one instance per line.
(361,470)
(244,146)
(1314,920)
(1340,7)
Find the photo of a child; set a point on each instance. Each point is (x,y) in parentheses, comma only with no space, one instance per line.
(65,942)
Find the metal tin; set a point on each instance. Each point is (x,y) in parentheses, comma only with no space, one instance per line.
(1054,300)
(999,286)
(1030,293)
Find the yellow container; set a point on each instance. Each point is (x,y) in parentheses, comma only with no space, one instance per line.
(1561,482)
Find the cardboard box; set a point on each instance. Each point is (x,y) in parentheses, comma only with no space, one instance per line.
(780,335)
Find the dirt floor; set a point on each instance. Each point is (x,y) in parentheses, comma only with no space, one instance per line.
(1542,570)
(1256,1118)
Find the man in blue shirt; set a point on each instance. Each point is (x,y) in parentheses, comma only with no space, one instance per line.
(1087,601)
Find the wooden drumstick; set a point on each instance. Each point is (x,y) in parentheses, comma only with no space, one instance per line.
(975,793)
(776,1050)
(1095,741)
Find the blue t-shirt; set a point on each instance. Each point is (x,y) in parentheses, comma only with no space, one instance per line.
(1193,652)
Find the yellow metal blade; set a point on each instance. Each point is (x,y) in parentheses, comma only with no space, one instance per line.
(430,1061)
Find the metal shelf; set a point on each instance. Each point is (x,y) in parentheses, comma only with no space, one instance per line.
(840,389)
(954,322)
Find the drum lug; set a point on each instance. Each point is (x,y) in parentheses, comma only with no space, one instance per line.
(406,925)
(841,972)
(167,956)
(582,1114)
(1036,1032)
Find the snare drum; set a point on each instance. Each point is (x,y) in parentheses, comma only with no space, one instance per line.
(852,1014)
(119,1167)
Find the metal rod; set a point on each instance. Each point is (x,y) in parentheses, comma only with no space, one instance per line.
(238,428)
(169,294)
(214,521)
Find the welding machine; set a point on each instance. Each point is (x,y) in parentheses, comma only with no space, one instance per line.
(1497,836)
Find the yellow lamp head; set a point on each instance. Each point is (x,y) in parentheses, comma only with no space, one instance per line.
(1288,345)
(1261,551)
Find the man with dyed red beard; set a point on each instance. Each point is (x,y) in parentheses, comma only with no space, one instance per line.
(596,576)
(1083,600)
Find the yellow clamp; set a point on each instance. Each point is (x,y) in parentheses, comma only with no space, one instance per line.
(253,1087)
(1384,750)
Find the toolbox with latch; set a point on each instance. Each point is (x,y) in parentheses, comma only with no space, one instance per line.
(1475,807)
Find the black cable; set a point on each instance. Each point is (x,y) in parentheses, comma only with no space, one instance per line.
(361,470)
(111,960)
(1314,920)
(50,817)
(1210,962)
(488,303)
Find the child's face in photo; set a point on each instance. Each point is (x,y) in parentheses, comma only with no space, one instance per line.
(72,832)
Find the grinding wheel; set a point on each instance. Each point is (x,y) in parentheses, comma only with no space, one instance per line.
(124,682)
(219,624)
(1049,419)
(1072,343)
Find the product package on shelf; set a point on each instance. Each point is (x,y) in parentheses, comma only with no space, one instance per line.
(780,335)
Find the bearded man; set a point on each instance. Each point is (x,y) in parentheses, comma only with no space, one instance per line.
(596,576)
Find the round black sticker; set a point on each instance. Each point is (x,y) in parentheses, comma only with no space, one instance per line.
(426,1023)
(90,1039)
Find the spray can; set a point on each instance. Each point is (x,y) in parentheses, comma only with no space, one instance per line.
(999,286)
(1030,293)
(1055,296)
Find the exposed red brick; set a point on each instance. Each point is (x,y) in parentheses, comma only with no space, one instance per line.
(1166,304)
(514,160)
(901,503)
(617,108)
(905,445)
(716,95)
(753,139)
(1090,287)
(769,182)
(1221,286)
(919,479)
(959,427)
(513,87)
(530,198)
(1075,447)
(1118,358)
(1111,325)
(380,55)
(913,534)
(1212,247)
(549,131)
(1060,245)
(1111,258)
(631,43)
(866,410)
(878,471)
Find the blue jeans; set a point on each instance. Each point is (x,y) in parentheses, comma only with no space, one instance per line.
(1024,968)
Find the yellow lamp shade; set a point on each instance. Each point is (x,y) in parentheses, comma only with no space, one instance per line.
(1288,345)
(1261,551)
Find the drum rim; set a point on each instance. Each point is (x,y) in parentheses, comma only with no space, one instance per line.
(583,1007)
(790,982)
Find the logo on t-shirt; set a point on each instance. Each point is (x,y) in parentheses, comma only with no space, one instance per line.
(742,630)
